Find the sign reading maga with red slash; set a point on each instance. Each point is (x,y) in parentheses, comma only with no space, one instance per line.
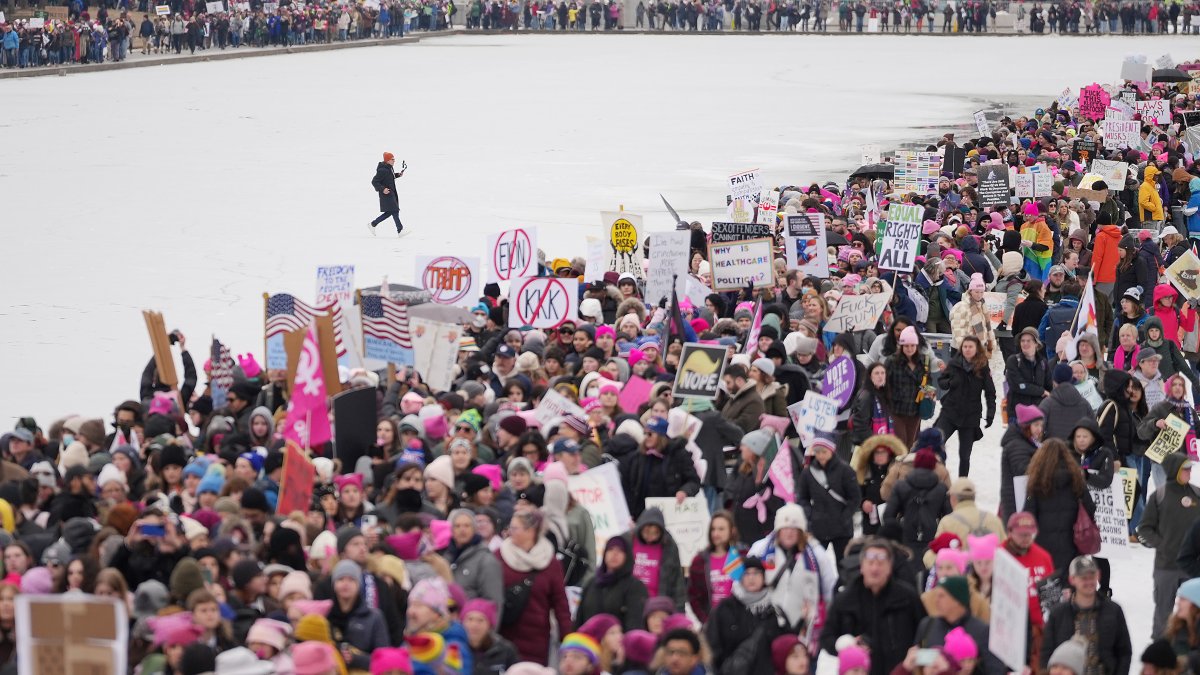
(543,302)
(450,280)
(512,254)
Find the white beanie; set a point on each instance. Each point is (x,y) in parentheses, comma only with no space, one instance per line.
(442,471)
(790,515)
(192,528)
(324,469)
(767,366)
(110,474)
(76,454)
(323,546)
(632,428)
(590,309)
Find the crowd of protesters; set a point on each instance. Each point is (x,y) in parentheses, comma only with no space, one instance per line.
(451,546)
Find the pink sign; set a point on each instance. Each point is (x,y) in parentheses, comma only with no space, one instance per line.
(1093,101)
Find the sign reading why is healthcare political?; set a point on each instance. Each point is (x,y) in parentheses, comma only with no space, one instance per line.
(700,371)
(740,264)
(450,280)
(623,232)
(543,302)
(901,236)
(512,254)
(806,250)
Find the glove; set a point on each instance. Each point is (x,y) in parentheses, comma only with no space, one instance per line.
(991,418)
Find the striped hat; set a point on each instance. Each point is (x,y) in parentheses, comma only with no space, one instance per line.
(426,648)
(584,644)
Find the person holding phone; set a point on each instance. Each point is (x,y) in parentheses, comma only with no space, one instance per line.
(384,183)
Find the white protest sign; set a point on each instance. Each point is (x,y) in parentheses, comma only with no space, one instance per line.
(597,259)
(736,265)
(696,291)
(740,210)
(1110,519)
(815,412)
(1019,485)
(1043,184)
(270,7)
(553,407)
(901,236)
(1010,610)
(512,254)
(871,153)
(215,7)
(162,10)
(1119,110)
(1024,183)
(335,282)
(745,185)
(1067,99)
(687,522)
(669,253)
(1157,111)
(449,279)
(981,123)
(768,208)
(623,234)
(1120,133)
(435,350)
(857,312)
(1165,61)
(543,302)
(599,492)
(1114,173)
(35,22)
(1137,72)
(805,244)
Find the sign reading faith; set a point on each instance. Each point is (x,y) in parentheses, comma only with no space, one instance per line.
(745,185)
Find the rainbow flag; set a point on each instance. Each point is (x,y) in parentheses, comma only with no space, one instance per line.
(733,565)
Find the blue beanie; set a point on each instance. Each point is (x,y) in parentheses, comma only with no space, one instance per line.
(255,459)
(194,469)
(212,482)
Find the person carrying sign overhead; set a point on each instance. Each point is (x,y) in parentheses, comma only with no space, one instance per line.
(384,183)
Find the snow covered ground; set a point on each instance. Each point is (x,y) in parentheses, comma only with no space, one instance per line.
(193,189)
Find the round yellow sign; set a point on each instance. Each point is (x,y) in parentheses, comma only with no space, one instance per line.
(623,235)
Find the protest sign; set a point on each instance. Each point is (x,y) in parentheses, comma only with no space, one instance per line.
(1092,101)
(67,634)
(160,342)
(1043,183)
(838,383)
(597,259)
(215,7)
(687,521)
(623,232)
(512,254)
(1127,96)
(1067,100)
(555,406)
(35,22)
(1183,274)
(1120,134)
(700,371)
(435,350)
(543,302)
(993,304)
(917,172)
(1129,485)
(723,233)
(1165,61)
(385,330)
(449,280)
(634,393)
(1024,185)
(1157,111)
(871,153)
(1113,172)
(1137,71)
(993,185)
(740,210)
(815,412)
(296,486)
(981,123)
(745,185)
(598,491)
(1083,149)
(768,208)
(901,236)
(954,161)
(162,10)
(353,424)
(1010,610)
(805,244)
(696,291)
(1110,519)
(857,312)
(1191,118)
(335,282)
(738,265)
(669,253)
(271,7)
(1112,112)
(1168,440)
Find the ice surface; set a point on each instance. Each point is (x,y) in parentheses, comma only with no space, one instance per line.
(193,189)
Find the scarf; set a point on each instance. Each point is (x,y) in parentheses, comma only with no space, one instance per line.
(1126,363)
(370,591)
(535,559)
(454,550)
(881,422)
(757,603)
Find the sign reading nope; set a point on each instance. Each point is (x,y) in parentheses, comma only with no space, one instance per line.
(512,254)
(450,280)
(543,302)
(699,375)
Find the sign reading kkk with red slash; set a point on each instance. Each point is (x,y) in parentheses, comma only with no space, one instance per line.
(543,302)
(450,280)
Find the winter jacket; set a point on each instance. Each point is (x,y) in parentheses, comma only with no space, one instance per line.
(716,432)
(1138,272)
(774,398)
(1173,360)
(496,656)
(745,408)
(1170,513)
(967,519)
(932,633)
(615,592)
(362,628)
(830,497)
(888,620)
(1192,210)
(919,501)
(1097,460)
(966,392)
(531,633)
(670,569)
(1056,514)
(1189,551)
(871,476)
(742,487)
(1027,381)
(973,260)
(862,414)
(901,468)
(1063,409)
(1149,202)
(904,383)
(732,624)
(478,573)
(1113,645)
(971,318)
(1017,451)
(651,476)
(385,178)
(1028,314)
(1056,321)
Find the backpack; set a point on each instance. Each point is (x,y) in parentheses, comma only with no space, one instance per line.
(978,530)
(920,523)
(1060,317)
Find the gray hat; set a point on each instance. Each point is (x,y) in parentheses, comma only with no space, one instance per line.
(1083,564)
(520,464)
(412,422)
(58,553)
(22,434)
(471,389)
(767,366)
(1071,654)
(757,441)
(149,598)
(347,568)
(1056,269)
(1147,353)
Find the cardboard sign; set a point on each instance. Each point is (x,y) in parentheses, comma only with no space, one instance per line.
(1129,484)
(738,265)
(901,236)
(857,312)
(687,522)
(805,244)
(981,123)
(745,185)
(1169,439)
(162,10)
(435,350)
(768,208)
(334,282)
(723,233)
(553,407)
(1185,275)
(700,370)
(296,486)
(1110,519)
(599,492)
(1092,101)
(993,185)
(1024,185)
(917,172)
(160,342)
(543,302)
(1121,134)
(512,254)
(1114,173)
(69,634)
(449,280)
(669,254)
(634,393)
(815,412)
(1011,591)
(1157,111)
(623,233)
(839,380)
(871,153)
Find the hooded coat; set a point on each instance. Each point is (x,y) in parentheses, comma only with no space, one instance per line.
(1170,512)
(1017,451)
(1173,360)
(966,392)
(616,592)
(871,476)
(1056,514)
(1098,458)
(974,261)
(670,569)
(732,624)
(888,620)
(830,497)
(650,476)
(918,503)
(1063,409)
(1149,202)
(1174,319)
(385,177)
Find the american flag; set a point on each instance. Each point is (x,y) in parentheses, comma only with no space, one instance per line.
(287,313)
(386,319)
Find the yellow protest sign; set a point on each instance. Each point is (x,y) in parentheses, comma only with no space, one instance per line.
(1168,440)
(1129,482)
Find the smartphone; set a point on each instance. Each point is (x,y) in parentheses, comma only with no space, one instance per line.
(370,521)
(149,530)
(926,657)
(207,573)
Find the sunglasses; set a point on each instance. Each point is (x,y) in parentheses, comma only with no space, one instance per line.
(566,330)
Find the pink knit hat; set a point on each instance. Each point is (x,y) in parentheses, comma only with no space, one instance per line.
(318,607)
(960,646)
(982,548)
(908,336)
(490,472)
(1026,414)
(249,365)
(853,658)
(411,403)
(977,283)
(487,608)
(954,556)
(407,545)
(601,331)
(929,227)
(313,658)
(1030,209)
(161,404)
(388,659)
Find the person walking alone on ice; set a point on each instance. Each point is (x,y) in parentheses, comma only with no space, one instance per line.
(384,183)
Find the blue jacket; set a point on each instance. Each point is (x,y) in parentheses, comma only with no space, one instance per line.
(11,40)
(1193,221)
(1060,314)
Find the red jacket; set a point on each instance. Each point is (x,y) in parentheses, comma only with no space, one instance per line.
(1040,565)
(531,634)
(1105,256)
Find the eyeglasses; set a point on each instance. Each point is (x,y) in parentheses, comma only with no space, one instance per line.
(566,330)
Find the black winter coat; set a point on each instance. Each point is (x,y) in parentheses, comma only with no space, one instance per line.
(888,621)
(716,433)
(729,626)
(496,658)
(1063,409)
(651,476)
(966,391)
(1118,423)
(918,503)
(1028,314)
(1056,514)
(862,411)
(1113,646)
(386,178)
(1027,380)
(1097,460)
(904,383)
(829,503)
(622,596)
(1016,452)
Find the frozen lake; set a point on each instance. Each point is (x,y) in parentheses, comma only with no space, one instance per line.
(193,189)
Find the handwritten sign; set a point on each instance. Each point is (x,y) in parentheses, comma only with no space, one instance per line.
(981,123)
(1120,133)
(435,350)
(449,280)
(738,265)
(1024,185)
(871,153)
(623,232)
(1157,111)
(839,380)
(857,312)
(335,282)
(1110,519)
(599,492)
(1011,591)
(687,521)
(1092,101)
(512,254)
(745,185)
(901,235)
(597,259)
(768,208)
(543,302)
(724,232)
(1168,440)
(1129,485)
(553,407)
(815,412)
(669,253)
(1113,172)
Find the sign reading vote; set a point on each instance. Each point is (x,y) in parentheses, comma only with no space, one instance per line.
(544,302)
(700,371)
